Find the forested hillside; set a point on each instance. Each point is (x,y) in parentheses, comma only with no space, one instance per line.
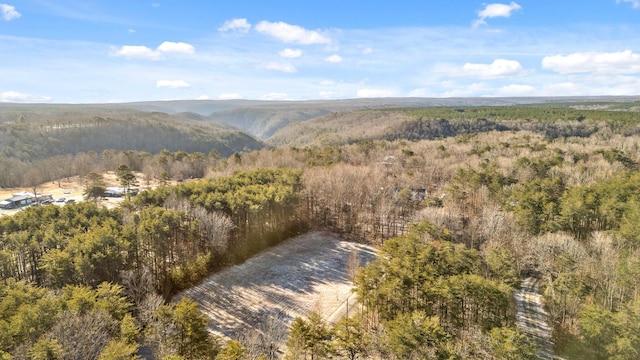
(36,132)
(263,118)
(40,143)
(550,120)
(462,202)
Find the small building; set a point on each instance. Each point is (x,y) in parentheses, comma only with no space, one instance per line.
(18,200)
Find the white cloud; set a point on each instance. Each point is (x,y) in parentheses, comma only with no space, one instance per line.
(9,12)
(330,94)
(333,59)
(155,5)
(622,62)
(291,33)
(367,51)
(495,10)
(327,82)
(562,89)
(131,31)
(275,96)
(230,96)
(136,52)
(172,84)
(143,52)
(591,85)
(288,68)
(634,3)
(517,90)
(16,97)
(176,48)
(476,89)
(498,68)
(203,97)
(498,10)
(421,92)
(237,25)
(374,93)
(454,89)
(290,53)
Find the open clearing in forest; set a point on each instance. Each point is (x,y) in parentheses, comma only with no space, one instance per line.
(73,188)
(303,274)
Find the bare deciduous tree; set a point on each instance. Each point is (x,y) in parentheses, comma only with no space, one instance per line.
(149,305)
(268,339)
(84,336)
(33,178)
(138,285)
(353,263)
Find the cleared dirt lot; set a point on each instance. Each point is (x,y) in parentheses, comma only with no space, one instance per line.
(304,274)
(70,188)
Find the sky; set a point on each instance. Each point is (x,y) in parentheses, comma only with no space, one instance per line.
(112,51)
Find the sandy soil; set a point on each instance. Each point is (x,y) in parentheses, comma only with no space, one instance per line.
(301,275)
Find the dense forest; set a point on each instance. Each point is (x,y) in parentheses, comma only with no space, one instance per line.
(569,120)
(459,217)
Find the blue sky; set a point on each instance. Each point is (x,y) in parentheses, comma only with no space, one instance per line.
(99,51)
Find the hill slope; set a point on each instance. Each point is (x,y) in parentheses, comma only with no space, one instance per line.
(29,132)
(264,118)
(340,128)
(551,120)
(32,132)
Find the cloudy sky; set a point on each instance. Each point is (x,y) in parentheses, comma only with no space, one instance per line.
(98,51)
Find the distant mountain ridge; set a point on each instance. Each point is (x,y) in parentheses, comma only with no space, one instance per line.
(34,131)
(264,119)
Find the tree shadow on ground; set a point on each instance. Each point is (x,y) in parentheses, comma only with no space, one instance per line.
(291,279)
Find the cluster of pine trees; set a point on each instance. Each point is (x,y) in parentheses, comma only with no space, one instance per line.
(424,297)
(133,257)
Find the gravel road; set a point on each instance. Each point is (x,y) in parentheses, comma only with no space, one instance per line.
(531,317)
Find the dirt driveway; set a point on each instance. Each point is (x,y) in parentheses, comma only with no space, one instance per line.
(532,318)
(304,274)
